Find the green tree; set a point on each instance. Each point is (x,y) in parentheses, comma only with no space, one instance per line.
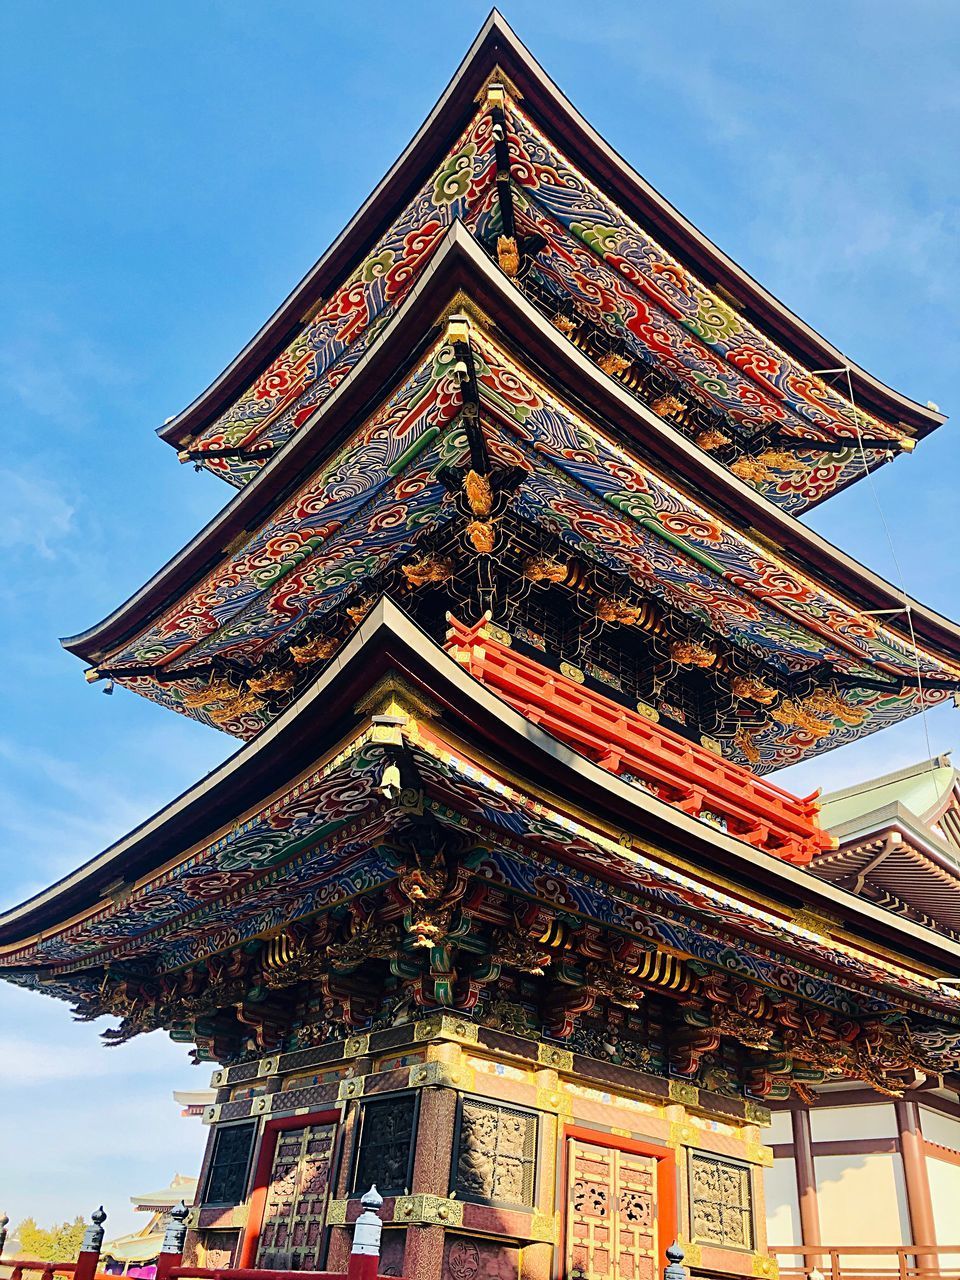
(59,1243)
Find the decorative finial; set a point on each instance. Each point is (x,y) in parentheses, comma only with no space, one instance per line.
(675,1270)
(367,1228)
(176,1232)
(372,1199)
(93,1236)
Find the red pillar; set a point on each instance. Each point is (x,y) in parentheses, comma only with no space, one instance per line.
(806,1183)
(919,1204)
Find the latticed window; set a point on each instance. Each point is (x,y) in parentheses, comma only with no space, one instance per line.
(721,1201)
(387,1129)
(496,1160)
(230,1164)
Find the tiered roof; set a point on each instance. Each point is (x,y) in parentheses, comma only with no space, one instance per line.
(599,250)
(510,608)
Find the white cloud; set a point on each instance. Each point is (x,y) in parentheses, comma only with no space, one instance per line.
(34,515)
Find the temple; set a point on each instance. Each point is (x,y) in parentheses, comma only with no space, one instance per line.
(511,612)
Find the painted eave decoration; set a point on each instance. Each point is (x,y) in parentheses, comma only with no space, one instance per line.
(375,486)
(320,829)
(620,271)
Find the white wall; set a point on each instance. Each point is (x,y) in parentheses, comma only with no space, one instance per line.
(862,1201)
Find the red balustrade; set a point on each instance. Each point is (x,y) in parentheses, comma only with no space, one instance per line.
(678,771)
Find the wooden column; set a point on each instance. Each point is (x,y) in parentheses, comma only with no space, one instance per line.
(915,1176)
(806,1181)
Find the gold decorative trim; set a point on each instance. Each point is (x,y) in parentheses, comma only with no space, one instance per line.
(193,1218)
(218,1078)
(571,672)
(351,1088)
(688,1094)
(683,1135)
(763,1265)
(499,634)
(268,1067)
(263,1104)
(429,1209)
(337,1213)
(550,1056)
(461,302)
(356,1046)
(440,1073)
(757,1153)
(238,1218)
(756,1113)
(211,1114)
(544,1226)
(692,1253)
(391,695)
(497,76)
(445,1027)
(814,921)
(554,1100)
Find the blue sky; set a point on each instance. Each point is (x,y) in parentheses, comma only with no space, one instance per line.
(170,173)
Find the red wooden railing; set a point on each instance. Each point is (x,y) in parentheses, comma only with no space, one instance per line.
(680,772)
(869,1261)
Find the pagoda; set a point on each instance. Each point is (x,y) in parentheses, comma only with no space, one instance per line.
(511,611)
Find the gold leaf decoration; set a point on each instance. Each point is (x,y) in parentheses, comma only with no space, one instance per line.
(479,494)
(689,653)
(508,255)
(428,569)
(790,713)
(541,568)
(667,405)
(215,691)
(711,439)
(480,533)
(612,363)
(754,688)
(272,682)
(750,469)
(620,611)
(781,460)
(745,742)
(314,650)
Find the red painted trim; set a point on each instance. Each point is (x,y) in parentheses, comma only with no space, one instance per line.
(667,1209)
(257,1200)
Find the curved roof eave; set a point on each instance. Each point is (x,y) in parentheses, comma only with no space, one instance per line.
(602,394)
(497,45)
(388,640)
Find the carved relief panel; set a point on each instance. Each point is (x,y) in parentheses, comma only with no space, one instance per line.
(291,1237)
(472,1258)
(496,1154)
(721,1201)
(387,1128)
(611,1214)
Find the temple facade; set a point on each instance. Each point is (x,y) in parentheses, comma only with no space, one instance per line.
(511,613)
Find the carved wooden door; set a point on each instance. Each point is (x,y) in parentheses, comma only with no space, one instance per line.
(291,1237)
(611,1213)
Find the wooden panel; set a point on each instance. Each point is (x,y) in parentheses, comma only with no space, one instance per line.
(611,1213)
(291,1237)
